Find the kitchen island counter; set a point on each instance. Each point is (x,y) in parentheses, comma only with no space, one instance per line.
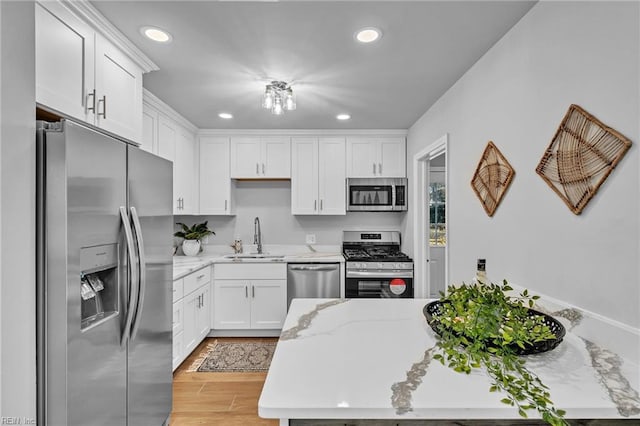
(372,359)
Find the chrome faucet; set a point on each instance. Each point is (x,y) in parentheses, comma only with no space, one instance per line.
(257,235)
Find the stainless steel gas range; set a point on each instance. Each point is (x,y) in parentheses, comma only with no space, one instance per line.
(376,268)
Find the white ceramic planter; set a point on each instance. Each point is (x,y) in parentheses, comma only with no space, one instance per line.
(191,247)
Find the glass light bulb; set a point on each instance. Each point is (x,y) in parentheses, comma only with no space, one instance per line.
(277,106)
(267,99)
(290,102)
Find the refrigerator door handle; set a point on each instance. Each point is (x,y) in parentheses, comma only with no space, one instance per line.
(133,295)
(142,275)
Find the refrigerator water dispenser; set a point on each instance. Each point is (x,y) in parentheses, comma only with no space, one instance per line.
(98,284)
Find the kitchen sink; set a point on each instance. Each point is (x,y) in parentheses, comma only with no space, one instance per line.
(254,256)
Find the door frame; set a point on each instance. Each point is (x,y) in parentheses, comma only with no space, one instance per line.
(421,217)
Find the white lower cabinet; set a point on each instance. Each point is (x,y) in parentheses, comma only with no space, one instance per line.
(191,313)
(249,296)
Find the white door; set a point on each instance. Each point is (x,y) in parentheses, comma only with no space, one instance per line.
(184,182)
(245,157)
(268,303)
(149,140)
(332,191)
(167,139)
(392,161)
(118,91)
(362,157)
(276,157)
(190,331)
(64,61)
(304,175)
(215,180)
(231,309)
(203,320)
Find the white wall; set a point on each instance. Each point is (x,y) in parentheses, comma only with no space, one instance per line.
(560,53)
(17,177)
(271,202)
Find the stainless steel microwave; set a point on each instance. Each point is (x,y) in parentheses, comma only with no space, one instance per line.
(376,194)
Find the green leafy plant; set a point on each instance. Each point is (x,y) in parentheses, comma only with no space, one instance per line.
(196,232)
(480,326)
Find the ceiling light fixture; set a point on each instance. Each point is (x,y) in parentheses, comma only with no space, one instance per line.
(278,97)
(343,117)
(225,115)
(156,34)
(368,35)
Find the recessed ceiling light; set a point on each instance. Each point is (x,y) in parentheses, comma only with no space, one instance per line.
(368,35)
(156,34)
(343,116)
(225,115)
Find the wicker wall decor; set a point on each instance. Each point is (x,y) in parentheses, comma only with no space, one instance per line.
(580,157)
(492,178)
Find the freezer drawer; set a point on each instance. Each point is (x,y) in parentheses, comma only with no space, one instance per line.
(312,280)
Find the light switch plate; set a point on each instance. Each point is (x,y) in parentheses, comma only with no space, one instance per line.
(310,239)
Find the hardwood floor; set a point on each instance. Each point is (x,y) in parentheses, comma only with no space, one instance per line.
(229,399)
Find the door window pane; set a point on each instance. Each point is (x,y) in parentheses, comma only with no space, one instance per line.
(437,209)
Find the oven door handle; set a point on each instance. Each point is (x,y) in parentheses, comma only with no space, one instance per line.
(379,274)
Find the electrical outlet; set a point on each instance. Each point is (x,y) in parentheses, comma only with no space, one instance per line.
(311,238)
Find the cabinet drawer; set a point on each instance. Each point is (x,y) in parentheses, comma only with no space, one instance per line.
(178,289)
(251,271)
(196,279)
(178,317)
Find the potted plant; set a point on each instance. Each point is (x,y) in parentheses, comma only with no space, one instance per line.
(479,325)
(192,237)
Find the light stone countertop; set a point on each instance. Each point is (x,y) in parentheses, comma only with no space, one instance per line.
(371,359)
(184,265)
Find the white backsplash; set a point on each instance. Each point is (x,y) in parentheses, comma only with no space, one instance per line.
(271,202)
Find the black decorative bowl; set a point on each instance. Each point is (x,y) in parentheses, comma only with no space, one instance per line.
(432,309)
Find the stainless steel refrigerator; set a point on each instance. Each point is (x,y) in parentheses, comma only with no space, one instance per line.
(104,272)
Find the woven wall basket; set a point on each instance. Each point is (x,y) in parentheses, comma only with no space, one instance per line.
(492,178)
(580,157)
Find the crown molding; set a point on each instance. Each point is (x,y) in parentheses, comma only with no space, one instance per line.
(91,15)
(159,105)
(303,132)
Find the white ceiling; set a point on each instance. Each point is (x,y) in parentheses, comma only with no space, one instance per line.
(224,52)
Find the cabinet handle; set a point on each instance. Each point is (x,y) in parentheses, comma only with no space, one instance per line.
(262,168)
(374,168)
(104,107)
(321,205)
(246,291)
(315,205)
(253,291)
(257,168)
(225,205)
(92,108)
(380,168)
(201,276)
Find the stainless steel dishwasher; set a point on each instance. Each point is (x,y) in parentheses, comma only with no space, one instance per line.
(312,280)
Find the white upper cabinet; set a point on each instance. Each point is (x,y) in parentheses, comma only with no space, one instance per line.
(81,74)
(254,157)
(170,136)
(376,157)
(64,61)
(215,181)
(318,176)
(149,141)
(118,91)
(184,180)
